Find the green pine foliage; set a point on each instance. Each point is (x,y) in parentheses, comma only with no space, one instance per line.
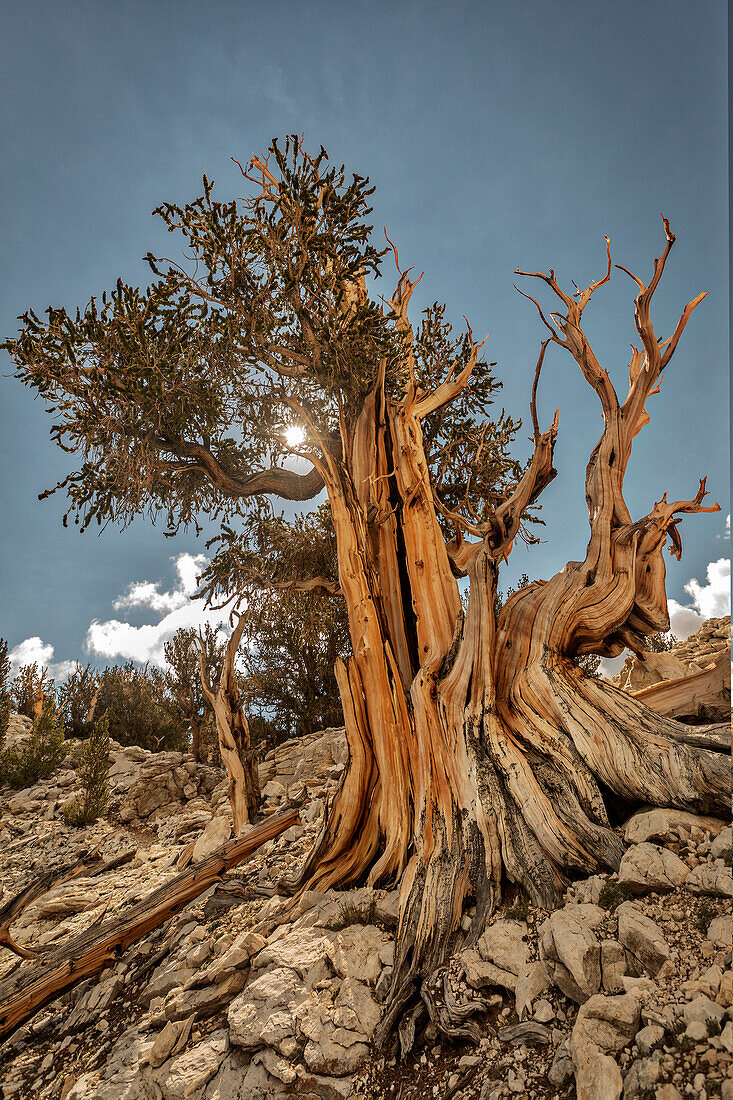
(4,691)
(93,771)
(139,709)
(184,693)
(39,755)
(76,699)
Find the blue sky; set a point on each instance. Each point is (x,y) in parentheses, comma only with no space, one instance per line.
(498,135)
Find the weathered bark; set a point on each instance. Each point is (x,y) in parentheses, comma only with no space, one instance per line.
(236,750)
(480,749)
(35,985)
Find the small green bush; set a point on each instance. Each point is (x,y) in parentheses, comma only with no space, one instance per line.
(705,914)
(139,712)
(351,913)
(612,894)
(77,700)
(38,756)
(92,803)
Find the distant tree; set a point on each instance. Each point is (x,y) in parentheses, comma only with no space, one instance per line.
(661,643)
(291,645)
(4,691)
(292,636)
(29,689)
(138,710)
(38,755)
(76,699)
(93,774)
(235,743)
(183,678)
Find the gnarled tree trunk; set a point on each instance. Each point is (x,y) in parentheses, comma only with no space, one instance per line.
(233,731)
(479,748)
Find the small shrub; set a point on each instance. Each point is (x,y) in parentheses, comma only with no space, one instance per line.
(612,894)
(138,711)
(705,914)
(38,756)
(92,803)
(352,912)
(77,700)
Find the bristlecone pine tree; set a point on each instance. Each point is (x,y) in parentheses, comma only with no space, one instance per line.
(478,748)
(93,774)
(183,677)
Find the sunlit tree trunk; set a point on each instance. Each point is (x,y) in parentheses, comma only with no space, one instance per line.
(237,753)
(479,748)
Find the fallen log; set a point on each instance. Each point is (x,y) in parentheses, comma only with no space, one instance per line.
(33,986)
(702,692)
(42,884)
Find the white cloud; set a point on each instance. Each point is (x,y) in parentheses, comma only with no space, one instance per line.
(726,529)
(148,594)
(35,650)
(114,639)
(709,601)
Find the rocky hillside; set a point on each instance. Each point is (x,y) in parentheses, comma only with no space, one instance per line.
(709,649)
(245,995)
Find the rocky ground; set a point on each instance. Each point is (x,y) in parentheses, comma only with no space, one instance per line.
(683,659)
(626,990)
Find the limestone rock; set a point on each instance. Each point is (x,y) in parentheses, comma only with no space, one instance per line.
(299,950)
(354,952)
(660,824)
(720,930)
(712,879)
(267,1003)
(599,1078)
(642,1076)
(704,1010)
(653,668)
(646,867)
(605,1023)
(504,944)
(532,980)
(642,938)
(571,951)
(480,974)
(216,833)
(722,846)
(187,1074)
(613,966)
(355,997)
(649,1038)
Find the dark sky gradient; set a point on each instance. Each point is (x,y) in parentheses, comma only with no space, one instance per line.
(498,135)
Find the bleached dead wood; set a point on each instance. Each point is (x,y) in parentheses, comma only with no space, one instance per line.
(37,983)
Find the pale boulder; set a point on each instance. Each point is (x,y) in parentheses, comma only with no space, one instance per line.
(216,832)
(642,938)
(646,867)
